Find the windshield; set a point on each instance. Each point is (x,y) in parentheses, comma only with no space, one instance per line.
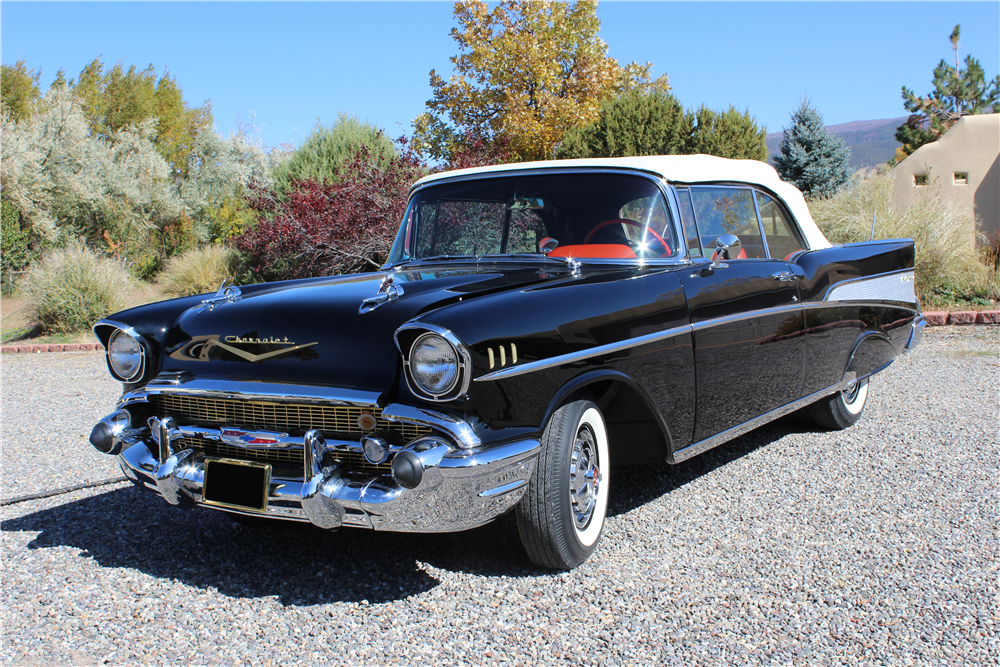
(564,215)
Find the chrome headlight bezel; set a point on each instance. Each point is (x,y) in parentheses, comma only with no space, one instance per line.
(456,387)
(126,337)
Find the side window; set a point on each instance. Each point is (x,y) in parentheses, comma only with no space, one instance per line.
(782,237)
(687,221)
(727,211)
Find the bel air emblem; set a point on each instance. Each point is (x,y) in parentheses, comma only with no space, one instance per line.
(240,438)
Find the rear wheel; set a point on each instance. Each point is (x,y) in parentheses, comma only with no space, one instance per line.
(561,516)
(842,409)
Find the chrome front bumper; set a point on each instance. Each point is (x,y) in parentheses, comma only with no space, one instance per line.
(459,488)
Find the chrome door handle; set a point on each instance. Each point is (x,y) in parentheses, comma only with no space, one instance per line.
(784,276)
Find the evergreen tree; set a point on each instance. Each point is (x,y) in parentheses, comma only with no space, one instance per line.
(727,134)
(957,92)
(636,123)
(654,123)
(811,158)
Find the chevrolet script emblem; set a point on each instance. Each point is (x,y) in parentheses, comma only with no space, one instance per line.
(199,347)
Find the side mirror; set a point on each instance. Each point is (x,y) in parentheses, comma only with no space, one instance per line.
(727,246)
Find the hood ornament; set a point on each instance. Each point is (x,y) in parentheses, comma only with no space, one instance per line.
(387,291)
(228,293)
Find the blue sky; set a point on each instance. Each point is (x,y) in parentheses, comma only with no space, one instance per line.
(288,64)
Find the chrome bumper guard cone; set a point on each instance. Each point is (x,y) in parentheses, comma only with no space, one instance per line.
(456,489)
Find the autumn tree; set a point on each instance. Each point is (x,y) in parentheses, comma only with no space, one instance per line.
(812,159)
(526,72)
(957,92)
(18,90)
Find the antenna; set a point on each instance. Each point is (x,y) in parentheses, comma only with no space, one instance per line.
(874,217)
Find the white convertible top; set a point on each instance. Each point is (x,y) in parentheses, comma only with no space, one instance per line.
(689,169)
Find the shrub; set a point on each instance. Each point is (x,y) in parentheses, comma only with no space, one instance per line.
(946,265)
(197,271)
(15,244)
(70,289)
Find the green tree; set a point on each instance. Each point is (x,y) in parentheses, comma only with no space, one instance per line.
(526,73)
(729,134)
(327,149)
(637,122)
(118,98)
(811,158)
(18,90)
(956,92)
(654,123)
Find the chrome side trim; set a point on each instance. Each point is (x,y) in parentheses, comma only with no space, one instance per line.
(738,430)
(255,391)
(541,364)
(716,321)
(893,286)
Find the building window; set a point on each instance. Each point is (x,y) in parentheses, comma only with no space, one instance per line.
(961,178)
(920,180)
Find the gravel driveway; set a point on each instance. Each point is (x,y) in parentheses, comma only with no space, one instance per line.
(875,545)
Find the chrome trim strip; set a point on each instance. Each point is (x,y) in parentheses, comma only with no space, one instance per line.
(880,287)
(715,321)
(738,430)
(254,391)
(827,305)
(541,364)
(453,426)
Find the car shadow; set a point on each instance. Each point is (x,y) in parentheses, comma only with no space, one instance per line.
(646,482)
(301,565)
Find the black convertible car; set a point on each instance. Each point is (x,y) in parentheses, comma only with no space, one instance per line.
(535,325)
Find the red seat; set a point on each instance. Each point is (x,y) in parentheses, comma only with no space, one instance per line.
(602,250)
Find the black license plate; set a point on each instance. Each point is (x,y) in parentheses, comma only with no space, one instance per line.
(236,484)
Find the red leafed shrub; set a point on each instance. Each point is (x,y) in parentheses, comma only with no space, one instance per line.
(332,228)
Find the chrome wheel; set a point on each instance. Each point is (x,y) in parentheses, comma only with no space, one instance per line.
(584,477)
(561,515)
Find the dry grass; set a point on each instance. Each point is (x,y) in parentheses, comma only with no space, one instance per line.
(949,272)
(70,289)
(197,271)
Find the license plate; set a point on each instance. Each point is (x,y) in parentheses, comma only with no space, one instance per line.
(236,484)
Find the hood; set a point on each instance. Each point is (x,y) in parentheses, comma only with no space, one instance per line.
(314,331)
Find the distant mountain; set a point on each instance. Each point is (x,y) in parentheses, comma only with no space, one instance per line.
(872,142)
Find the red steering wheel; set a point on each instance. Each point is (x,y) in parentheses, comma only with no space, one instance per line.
(631,223)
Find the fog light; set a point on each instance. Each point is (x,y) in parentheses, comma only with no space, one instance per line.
(376,450)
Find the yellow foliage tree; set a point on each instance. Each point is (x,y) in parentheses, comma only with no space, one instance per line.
(527,71)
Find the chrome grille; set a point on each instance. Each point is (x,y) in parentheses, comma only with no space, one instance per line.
(291,417)
(352,460)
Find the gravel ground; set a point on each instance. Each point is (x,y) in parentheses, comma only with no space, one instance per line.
(876,545)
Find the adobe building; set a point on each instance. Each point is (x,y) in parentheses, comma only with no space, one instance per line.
(962,166)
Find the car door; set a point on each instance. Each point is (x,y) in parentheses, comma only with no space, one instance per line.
(747,321)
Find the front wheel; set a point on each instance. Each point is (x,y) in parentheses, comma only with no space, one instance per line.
(842,409)
(561,516)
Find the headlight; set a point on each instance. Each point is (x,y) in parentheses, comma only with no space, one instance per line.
(124,355)
(434,364)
